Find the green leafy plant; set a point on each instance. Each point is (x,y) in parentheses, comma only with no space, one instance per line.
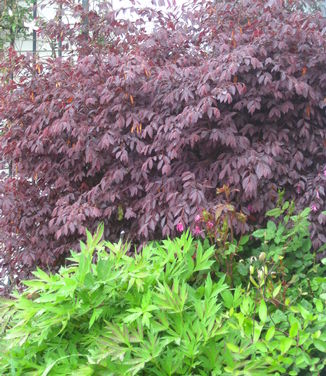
(287,291)
(122,314)
(171,310)
(283,254)
(13,14)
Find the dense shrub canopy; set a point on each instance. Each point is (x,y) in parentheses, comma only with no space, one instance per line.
(141,128)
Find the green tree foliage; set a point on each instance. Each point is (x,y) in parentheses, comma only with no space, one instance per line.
(13,14)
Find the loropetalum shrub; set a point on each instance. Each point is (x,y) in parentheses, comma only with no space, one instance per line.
(171,310)
(139,128)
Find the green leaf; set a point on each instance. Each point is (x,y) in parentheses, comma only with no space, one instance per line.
(305,212)
(203,257)
(320,345)
(40,274)
(304,312)
(257,331)
(52,364)
(294,330)
(243,269)
(261,347)
(262,311)
(285,205)
(319,305)
(95,315)
(228,298)
(259,233)
(285,344)
(208,286)
(270,333)
(274,213)
(277,290)
(233,347)
(270,230)
(244,240)
(302,360)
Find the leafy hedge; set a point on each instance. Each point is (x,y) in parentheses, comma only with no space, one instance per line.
(172,309)
(140,129)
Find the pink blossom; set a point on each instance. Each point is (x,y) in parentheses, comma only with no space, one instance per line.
(314,207)
(180,227)
(197,218)
(197,230)
(298,189)
(325,172)
(210,224)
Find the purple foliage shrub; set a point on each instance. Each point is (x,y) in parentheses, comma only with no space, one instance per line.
(141,129)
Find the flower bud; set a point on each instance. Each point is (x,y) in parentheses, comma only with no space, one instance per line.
(210,224)
(260,274)
(262,257)
(252,259)
(180,227)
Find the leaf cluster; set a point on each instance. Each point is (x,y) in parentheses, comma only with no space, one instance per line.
(170,310)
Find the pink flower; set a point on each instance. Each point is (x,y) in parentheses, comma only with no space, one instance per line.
(197,218)
(313,207)
(298,189)
(210,224)
(180,227)
(325,172)
(197,230)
